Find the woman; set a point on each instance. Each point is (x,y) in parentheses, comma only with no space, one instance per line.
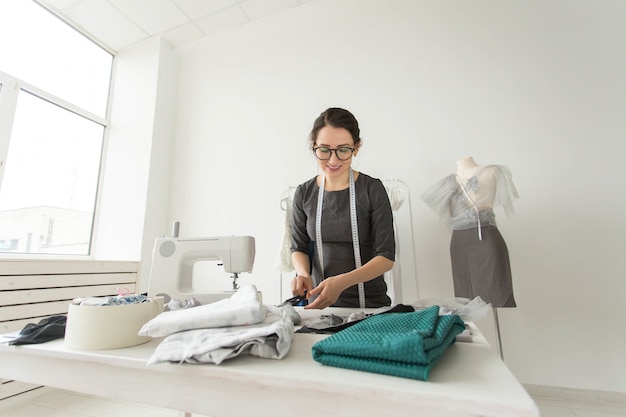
(341,246)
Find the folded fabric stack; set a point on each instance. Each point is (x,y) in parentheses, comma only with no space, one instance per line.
(399,344)
(218,331)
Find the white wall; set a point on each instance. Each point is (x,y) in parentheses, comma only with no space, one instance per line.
(123,188)
(135,186)
(535,85)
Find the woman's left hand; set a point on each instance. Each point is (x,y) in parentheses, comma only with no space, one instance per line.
(327,292)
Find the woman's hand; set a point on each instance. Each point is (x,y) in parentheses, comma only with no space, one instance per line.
(327,292)
(301,285)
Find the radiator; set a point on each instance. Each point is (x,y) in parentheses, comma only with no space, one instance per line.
(31,290)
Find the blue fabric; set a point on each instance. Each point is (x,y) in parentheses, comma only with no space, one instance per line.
(399,344)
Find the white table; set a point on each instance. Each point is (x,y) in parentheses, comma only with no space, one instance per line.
(468,380)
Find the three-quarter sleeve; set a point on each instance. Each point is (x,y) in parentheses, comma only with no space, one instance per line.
(299,237)
(384,243)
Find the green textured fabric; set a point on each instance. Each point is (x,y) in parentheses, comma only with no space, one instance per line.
(399,344)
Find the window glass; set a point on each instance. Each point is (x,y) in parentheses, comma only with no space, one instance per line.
(53,110)
(50,179)
(42,50)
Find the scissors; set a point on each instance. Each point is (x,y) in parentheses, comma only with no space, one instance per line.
(295,300)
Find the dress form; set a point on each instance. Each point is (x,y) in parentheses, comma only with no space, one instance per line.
(466,168)
(480,261)
(484,196)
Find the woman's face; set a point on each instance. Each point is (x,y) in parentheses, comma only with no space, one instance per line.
(336,139)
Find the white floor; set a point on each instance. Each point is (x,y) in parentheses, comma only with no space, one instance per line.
(55,403)
(563,411)
(564,402)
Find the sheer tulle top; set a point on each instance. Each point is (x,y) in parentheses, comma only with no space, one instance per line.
(465,204)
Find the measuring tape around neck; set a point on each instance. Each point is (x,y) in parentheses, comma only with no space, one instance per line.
(355,232)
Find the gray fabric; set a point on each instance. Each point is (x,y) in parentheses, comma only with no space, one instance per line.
(376,236)
(481,267)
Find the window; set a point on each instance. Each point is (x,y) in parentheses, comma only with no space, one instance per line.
(54,86)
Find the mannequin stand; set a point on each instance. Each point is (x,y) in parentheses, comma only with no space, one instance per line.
(498,341)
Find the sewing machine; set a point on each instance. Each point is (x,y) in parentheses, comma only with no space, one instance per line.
(186,267)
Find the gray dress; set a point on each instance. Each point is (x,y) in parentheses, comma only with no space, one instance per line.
(480,262)
(376,235)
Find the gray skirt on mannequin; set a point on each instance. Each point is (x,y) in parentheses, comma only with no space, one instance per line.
(481,267)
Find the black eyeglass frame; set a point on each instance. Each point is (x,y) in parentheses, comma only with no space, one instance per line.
(331,152)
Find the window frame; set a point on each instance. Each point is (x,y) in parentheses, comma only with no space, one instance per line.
(10,89)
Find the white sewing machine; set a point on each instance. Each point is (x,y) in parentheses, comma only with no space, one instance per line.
(185,267)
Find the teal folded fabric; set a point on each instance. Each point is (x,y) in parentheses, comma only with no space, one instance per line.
(399,344)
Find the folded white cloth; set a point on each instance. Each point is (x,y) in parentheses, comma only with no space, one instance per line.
(270,339)
(242,308)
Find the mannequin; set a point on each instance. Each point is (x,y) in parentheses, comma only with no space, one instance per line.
(478,252)
(484,195)
(479,255)
(466,167)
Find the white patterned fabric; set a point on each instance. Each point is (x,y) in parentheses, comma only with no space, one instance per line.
(283,257)
(242,308)
(270,339)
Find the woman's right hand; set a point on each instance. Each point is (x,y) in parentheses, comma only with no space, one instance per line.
(301,285)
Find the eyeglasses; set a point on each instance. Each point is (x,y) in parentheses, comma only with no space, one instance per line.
(323,153)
